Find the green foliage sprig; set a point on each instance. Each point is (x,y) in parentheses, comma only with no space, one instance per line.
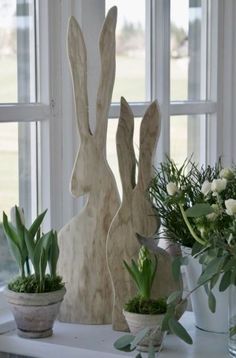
(188,178)
(30,247)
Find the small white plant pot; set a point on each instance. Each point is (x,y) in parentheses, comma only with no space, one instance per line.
(137,322)
(34,313)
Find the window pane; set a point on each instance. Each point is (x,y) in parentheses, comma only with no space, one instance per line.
(131,79)
(17,181)
(17,51)
(111,147)
(187,138)
(188,49)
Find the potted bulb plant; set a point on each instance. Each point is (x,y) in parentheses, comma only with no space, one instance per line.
(142,313)
(34,296)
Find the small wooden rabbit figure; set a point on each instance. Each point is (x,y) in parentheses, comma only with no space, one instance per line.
(135,214)
(82,241)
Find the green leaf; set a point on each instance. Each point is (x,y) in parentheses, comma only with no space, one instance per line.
(42,267)
(139,337)
(10,231)
(233,277)
(174,297)
(154,270)
(211,269)
(42,244)
(151,351)
(211,302)
(225,281)
(176,265)
(19,227)
(179,330)
(131,272)
(196,248)
(13,242)
(53,254)
(30,244)
(203,258)
(229,264)
(199,210)
(36,224)
(123,343)
(232,331)
(165,322)
(214,280)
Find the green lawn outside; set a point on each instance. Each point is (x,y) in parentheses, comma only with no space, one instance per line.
(8,79)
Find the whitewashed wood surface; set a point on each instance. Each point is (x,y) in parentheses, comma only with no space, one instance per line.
(82,241)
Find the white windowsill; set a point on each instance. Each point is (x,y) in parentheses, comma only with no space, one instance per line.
(73,341)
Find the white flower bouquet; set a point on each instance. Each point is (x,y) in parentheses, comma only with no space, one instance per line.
(208,209)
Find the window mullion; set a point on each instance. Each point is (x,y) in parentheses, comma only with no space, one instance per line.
(215,80)
(138,109)
(160,62)
(192,107)
(24,112)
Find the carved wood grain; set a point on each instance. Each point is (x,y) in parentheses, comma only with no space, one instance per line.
(82,241)
(135,213)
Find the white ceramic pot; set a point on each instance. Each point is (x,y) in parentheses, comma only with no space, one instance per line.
(34,313)
(204,319)
(137,322)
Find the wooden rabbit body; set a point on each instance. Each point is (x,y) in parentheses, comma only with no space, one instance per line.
(135,214)
(82,241)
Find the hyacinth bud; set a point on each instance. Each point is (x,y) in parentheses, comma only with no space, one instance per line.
(230,205)
(218,185)
(143,255)
(171,188)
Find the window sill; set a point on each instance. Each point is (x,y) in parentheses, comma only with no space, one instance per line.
(72,340)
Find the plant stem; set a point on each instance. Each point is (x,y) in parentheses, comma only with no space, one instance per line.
(27,267)
(192,232)
(182,300)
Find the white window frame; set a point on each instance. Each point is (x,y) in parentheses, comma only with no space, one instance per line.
(58,138)
(61,133)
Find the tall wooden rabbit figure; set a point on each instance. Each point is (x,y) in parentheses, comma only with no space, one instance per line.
(82,241)
(135,214)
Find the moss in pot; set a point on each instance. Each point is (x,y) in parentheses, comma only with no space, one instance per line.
(34,297)
(144,314)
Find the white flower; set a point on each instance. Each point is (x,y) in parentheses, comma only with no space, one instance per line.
(13,215)
(171,188)
(226,173)
(218,185)
(214,215)
(230,205)
(206,187)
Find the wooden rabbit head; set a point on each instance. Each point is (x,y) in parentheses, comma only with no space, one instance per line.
(92,145)
(149,134)
(135,214)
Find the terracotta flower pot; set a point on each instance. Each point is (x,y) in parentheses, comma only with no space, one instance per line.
(137,322)
(34,313)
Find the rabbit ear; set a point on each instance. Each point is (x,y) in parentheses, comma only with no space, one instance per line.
(107,75)
(149,134)
(125,149)
(78,62)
